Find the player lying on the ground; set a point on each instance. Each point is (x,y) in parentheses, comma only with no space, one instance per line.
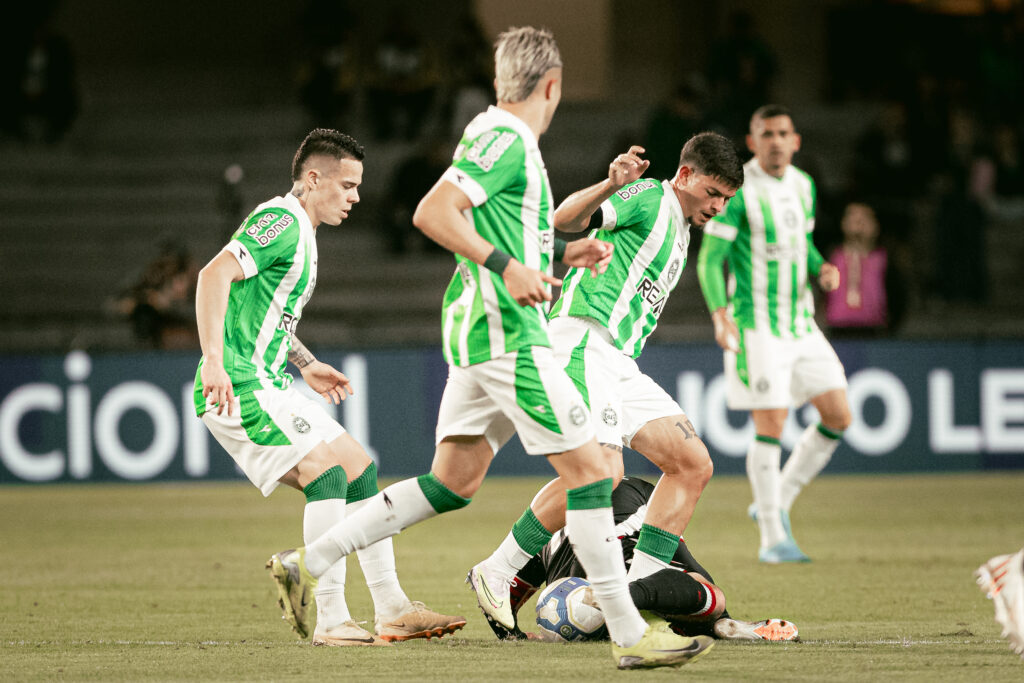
(684,594)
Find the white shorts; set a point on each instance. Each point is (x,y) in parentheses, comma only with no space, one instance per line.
(781,373)
(621,398)
(269,431)
(524,392)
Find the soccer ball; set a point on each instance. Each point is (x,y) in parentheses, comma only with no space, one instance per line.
(563,616)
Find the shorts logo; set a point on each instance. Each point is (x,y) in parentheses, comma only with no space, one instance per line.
(578,415)
(609,416)
(301,426)
(762,385)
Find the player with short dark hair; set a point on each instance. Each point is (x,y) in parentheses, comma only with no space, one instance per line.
(774,354)
(249,300)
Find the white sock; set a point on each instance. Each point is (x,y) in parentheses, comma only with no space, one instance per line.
(331,607)
(763,472)
(378,564)
(808,459)
(592,534)
(384,515)
(644,565)
(507,559)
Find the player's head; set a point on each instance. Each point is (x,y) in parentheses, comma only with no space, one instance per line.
(527,64)
(773,138)
(710,172)
(326,173)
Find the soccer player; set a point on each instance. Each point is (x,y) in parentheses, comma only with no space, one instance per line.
(599,327)
(775,355)
(685,593)
(1002,579)
(493,208)
(249,300)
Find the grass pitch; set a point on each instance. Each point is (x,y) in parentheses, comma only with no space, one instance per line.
(166,582)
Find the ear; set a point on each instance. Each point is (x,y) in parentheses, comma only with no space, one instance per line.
(750,142)
(683,175)
(312,178)
(549,89)
(796,142)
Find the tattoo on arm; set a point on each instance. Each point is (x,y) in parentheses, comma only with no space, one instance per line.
(300,355)
(687,428)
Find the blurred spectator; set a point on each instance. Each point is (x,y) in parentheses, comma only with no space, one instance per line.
(412,179)
(161,304)
(673,122)
(961,221)
(230,201)
(329,78)
(883,169)
(1008,157)
(403,82)
(869,299)
(42,97)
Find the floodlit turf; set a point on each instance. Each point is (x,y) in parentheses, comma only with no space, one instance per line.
(166,582)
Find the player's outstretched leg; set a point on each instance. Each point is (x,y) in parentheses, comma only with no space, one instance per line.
(295,586)
(766,629)
(1002,579)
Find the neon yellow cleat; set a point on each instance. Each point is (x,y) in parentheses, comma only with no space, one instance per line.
(661,647)
(295,587)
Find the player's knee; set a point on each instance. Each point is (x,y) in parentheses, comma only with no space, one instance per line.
(838,422)
(692,461)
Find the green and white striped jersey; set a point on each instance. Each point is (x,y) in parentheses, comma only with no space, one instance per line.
(276,248)
(498,166)
(769,223)
(646,224)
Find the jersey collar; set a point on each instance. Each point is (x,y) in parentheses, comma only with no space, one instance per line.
(507,118)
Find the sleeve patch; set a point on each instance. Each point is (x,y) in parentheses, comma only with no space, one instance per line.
(269,227)
(636,188)
(489,147)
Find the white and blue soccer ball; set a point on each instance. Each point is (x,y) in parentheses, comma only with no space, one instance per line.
(562,615)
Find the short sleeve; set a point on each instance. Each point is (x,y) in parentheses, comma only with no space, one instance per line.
(629,204)
(490,163)
(266,238)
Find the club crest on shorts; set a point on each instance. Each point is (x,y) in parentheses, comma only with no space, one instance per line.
(301,426)
(762,385)
(609,416)
(578,415)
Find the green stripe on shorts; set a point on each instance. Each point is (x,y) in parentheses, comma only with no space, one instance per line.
(258,425)
(530,393)
(577,368)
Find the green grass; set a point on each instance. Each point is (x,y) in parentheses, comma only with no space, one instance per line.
(166,582)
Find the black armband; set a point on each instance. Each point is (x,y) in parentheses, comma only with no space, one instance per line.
(560,246)
(497,261)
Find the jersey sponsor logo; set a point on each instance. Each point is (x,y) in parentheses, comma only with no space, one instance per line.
(654,295)
(288,323)
(269,227)
(633,190)
(301,426)
(780,252)
(485,154)
(467,277)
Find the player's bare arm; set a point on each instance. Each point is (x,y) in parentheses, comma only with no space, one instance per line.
(319,376)
(439,216)
(212,290)
(574,213)
(727,335)
(828,278)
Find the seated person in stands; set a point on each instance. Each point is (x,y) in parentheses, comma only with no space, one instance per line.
(685,594)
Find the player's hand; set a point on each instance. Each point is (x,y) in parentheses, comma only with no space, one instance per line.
(627,168)
(217,386)
(326,381)
(589,253)
(828,278)
(727,335)
(526,285)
